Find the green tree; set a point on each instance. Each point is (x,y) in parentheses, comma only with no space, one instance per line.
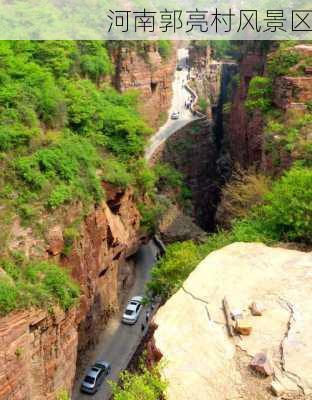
(171,271)
(145,385)
(165,48)
(259,94)
(288,209)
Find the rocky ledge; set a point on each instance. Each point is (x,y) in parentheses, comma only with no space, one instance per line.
(203,362)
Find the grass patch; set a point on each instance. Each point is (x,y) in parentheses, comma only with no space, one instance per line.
(35,284)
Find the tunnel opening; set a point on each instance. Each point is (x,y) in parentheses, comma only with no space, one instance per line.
(153,87)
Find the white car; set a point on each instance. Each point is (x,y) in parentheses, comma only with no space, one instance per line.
(175,115)
(133,310)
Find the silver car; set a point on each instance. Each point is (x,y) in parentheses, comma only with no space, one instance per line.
(95,377)
(175,115)
(133,310)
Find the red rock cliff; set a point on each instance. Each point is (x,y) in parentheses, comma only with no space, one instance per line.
(151,75)
(37,354)
(38,350)
(244,130)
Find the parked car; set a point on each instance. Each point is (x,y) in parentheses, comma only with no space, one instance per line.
(179,67)
(175,115)
(95,377)
(133,310)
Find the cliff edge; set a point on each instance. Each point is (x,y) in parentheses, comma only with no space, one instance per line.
(203,362)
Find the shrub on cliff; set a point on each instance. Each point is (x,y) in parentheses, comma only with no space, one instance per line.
(116,172)
(70,164)
(171,271)
(168,176)
(95,62)
(8,296)
(37,284)
(259,94)
(282,60)
(246,189)
(286,213)
(151,213)
(144,385)
(57,122)
(203,104)
(165,48)
(224,49)
(63,395)
(288,209)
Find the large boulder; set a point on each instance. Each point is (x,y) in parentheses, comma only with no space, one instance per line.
(202,362)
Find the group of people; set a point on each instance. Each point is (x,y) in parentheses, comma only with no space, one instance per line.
(188,103)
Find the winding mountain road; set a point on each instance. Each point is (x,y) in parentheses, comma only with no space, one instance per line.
(118,342)
(180,96)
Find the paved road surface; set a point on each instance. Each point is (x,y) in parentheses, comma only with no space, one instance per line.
(118,342)
(180,95)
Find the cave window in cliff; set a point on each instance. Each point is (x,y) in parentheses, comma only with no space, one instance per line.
(33,327)
(109,237)
(115,203)
(153,87)
(103,272)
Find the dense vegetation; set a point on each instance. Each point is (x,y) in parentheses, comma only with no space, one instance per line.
(144,385)
(57,124)
(63,130)
(35,284)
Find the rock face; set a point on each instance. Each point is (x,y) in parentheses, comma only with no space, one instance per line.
(55,240)
(290,91)
(38,351)
(108,238)
(176,226)
(37,354)
(151,75)
(261,364)
(203,362)
(244,132)
(192,151)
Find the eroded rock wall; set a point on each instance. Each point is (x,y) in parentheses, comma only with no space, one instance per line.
(192,151)
(38,354)
(101,261)
(151,75)
(244,131)
(38,350)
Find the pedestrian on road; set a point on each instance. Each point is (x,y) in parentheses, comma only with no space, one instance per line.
(152,306)
(147,316)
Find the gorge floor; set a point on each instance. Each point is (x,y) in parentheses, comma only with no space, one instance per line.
(118,342)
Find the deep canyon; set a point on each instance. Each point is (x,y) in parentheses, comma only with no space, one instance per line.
(39,350)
